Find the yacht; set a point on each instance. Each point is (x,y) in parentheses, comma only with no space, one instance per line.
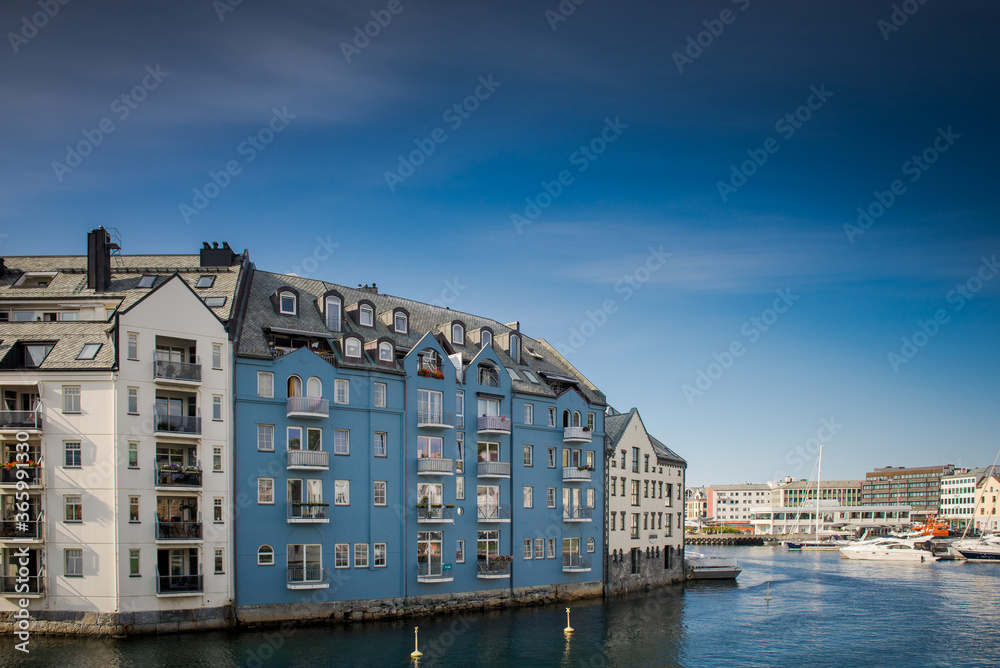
(887,548)
(698,566)
(986,548)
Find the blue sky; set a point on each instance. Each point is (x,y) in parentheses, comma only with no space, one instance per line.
(641,146)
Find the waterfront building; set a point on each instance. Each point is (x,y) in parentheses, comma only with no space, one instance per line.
(801,519)
(645,510)
(730,505)
(958,496)
(695,505)
(919,488)
(988,488)
(795,493)
(395,456)
(115,377)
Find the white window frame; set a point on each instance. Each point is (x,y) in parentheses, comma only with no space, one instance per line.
(379,489)
(217,458)
(342,391)
(343,448)
(263,429)
(216,355)
(267,552)
(265,384)
(133,463)
(361,555)
(341,486)
(386,352)
(457,334)
(529,413)
(528,494)
(73,562)
(380,444)
(529,455)
(381,391)
(217,511)
(217,408)
(352,343)
(334,325)
(70,405)
(550,497)
(366,310)
(132,406)
(379,553)
(133,345)
(398,317)
(341,555)
(265,487)
(73,501)
(285,294)
(78,451)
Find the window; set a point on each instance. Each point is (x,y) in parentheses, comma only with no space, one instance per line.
(265,555)
(286,303)
(133,346)
(366,316)
(341,391)
(623,460)
(147,281)
(514,349)
(71,398)
(216,355)
(552,458)
(527,548)
(550,497)
(206,282)
(552,416)
(379,493)
(527,497)
(379,395)
(614,485)
(73,508)
(429,446)
(133,401)
(528,455)
(71,454)
(529,414)
(646,463)
(89,351)
(133,454)
(333,307)
(530,376)
(460,488)
(293,438)
(460,551)
(342,555)
(634,528)
(133,563)
(489,376)
(73,567)
(590,458)
(386,352)
(265,384)
(460,409)
(379,555)
(265,491)
(551,548)
(635,460)
(352,348)
(217,407)
(361,555)
(513,374)
(591,421)
(219,560)
(401,323)
(539,548)
(265,437)
(590,544)
(379,444)
(342,492)
(485,338)
(341,442)
(590,498)
(635,492)
(217,458)
(133,509)
(645,491)
(458,335)
(460,444)
(613,515)
(215,301)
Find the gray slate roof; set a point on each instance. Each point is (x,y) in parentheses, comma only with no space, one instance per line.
(614,427)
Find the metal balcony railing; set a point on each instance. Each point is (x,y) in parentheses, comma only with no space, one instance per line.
(498,423)
(12,530)
(435,418)
(176,424)
(305,511)
(435,466)
(434,513)
(308,407)
(433,572)
(174,475)
(493,513)
(576,435)
(492,568)
(493,469)
(578,514)
(575,563)
(307,459)
(179,584)
(307,575)
(185,371)
(21,419)
(575,474)
(15,584)
(30,475)
(181,531)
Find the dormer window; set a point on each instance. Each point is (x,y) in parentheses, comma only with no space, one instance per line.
(352,348)
(386,352)
(488,376)
(514,350)
(458,334)
(333,306)
(147,281)
(485,338)
(287,303)
(401,323)
(35,279)
(366,316)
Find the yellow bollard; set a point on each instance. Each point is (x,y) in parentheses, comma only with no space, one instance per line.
(416,653)
(568,629)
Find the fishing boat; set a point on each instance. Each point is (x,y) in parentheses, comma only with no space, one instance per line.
(699,566)
(887,548)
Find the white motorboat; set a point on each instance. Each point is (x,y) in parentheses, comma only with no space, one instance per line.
(887,548)
(986,548)
(698,566)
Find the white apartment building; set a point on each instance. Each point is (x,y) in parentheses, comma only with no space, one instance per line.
(645,505)
(958,496)
(731,505)
(115,370)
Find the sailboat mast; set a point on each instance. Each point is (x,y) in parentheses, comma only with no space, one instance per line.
(819,477)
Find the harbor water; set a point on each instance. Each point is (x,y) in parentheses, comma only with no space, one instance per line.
(824,611)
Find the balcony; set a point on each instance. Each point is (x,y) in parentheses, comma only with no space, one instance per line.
(307,407)
(493,514)
(574,563)
(576,474)
(29,475)
(27,586)
(430,573)
(307,577)
(308,512)
(492,569)
(21,420)
(177,425)
(435,419)
(576,435)
(493,469)
(181,373)
(180,532)
(578,514)
(307,460)
(494,424)
(435,514)
(175,475)
(435,466)
(179,585)
(21,532)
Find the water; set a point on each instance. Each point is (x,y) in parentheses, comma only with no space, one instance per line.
(825,612)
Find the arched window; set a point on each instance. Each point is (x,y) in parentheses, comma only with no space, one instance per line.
(265,555)
(590,544)
(565,418)
(314,387)
(287,303)
(386,352)
(485,338)
(333,307)
(294,386)
(401,322)
(576,418)
(458,334)
(352,348)
(514,349)
(366,316)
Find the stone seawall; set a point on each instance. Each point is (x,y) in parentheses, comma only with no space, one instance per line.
(117,624)
(651,572)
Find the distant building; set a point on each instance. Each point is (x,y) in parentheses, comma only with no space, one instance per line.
(986,513)
(645,505)
(792,494)
(919,488)
(958,496)
(695,504)
(786,520)
(730,505)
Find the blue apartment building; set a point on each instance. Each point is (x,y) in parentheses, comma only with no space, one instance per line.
(388,449)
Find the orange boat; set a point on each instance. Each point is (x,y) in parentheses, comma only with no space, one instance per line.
(933,527)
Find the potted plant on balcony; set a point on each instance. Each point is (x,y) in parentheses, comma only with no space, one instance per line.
(423,372)
(437,374)
(587,428)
